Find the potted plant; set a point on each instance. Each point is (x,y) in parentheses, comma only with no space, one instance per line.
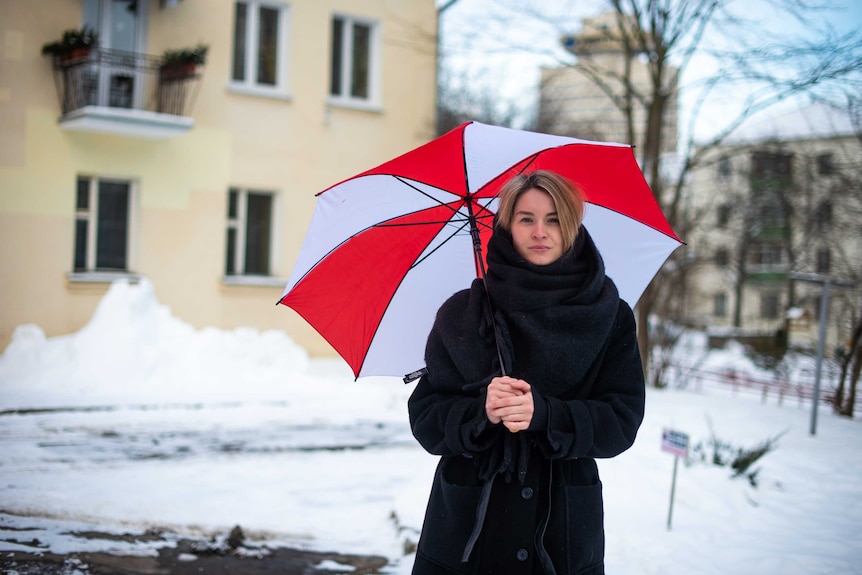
(73,45)
(182,63)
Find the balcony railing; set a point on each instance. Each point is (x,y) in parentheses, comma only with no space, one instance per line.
(124,92)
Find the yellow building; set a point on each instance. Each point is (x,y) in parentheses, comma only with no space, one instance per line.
(115,165)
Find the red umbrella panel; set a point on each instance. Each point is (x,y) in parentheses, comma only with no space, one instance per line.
(387,247)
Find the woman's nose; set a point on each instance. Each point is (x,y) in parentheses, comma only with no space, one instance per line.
(539,231)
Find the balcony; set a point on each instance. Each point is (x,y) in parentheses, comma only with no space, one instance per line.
(124,93)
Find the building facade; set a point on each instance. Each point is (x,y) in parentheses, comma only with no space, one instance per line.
(572,103)
(201,178)
(778,212)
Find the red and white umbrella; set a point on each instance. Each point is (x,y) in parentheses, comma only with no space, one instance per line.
(387,247)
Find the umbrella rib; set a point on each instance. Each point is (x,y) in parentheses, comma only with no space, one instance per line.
(440,245)
(462,224)
(426,194)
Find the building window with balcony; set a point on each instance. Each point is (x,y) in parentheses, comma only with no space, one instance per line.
(260,47)
(250,232)
(769,305)
(103,217)
(354,68)
(770,165)
(722,257)
(769,211)
(766,254)
(719,305)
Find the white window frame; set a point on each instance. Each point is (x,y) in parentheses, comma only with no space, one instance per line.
(90,273)
(249,85)
(375,56)
(238,223)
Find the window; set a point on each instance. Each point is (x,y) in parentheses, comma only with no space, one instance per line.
(719,305)
(722,215)
(769,165)
(824,261)
(823,215)
(249,232)
(259,46)
(102,225)
(770,213)
(825,165)
(724,167)
(722,258)
(353,69)
(766,254)
(769,305)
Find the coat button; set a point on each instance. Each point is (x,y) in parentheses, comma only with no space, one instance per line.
(522,554)
(527,492)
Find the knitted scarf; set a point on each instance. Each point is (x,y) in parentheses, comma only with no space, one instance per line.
(552,320)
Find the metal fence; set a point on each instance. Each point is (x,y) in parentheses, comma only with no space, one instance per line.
(779,388)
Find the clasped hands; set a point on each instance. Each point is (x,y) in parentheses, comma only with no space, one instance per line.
(510,401)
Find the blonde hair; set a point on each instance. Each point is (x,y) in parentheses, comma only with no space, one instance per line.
(567,198)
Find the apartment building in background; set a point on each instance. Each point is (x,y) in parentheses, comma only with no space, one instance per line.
(777,211)
(571,103)
(201,178)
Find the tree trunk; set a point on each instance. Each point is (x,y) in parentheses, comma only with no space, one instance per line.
(854,354)
(642,313)
(854,381)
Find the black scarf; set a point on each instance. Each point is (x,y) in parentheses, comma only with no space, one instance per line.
(552,320)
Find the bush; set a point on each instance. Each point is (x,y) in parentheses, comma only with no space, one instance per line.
(722,454)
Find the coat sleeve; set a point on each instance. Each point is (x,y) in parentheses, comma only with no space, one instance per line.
(605,423)
(445,418)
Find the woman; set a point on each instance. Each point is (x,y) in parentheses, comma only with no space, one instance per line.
(517,489)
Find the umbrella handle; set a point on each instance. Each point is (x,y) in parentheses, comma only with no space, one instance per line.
(477,249)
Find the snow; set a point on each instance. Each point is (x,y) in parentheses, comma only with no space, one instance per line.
(139,421)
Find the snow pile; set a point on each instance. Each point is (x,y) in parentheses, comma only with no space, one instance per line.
(134,350)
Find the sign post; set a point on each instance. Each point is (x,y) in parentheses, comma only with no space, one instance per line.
(826,283)
(674,442)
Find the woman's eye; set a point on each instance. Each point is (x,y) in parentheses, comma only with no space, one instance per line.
(526,220)
(553,220)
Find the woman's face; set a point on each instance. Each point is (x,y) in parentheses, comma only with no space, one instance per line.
(535,228)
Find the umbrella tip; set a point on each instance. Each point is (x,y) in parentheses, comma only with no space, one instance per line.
(413,376)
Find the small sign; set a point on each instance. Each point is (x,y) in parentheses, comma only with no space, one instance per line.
(674,442)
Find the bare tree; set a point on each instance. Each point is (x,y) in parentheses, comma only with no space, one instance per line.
(461,98)
(672,35)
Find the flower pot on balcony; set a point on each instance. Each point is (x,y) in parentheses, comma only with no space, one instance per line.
(74,46)
(178,71)
(73,55)
(181,64)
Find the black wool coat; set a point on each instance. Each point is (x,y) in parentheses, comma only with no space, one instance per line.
(529,502)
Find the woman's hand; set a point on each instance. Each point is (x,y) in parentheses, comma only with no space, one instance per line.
(510,401)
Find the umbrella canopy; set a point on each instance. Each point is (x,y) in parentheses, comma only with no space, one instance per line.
(387,247)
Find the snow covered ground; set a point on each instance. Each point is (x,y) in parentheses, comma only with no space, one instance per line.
(139,421)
